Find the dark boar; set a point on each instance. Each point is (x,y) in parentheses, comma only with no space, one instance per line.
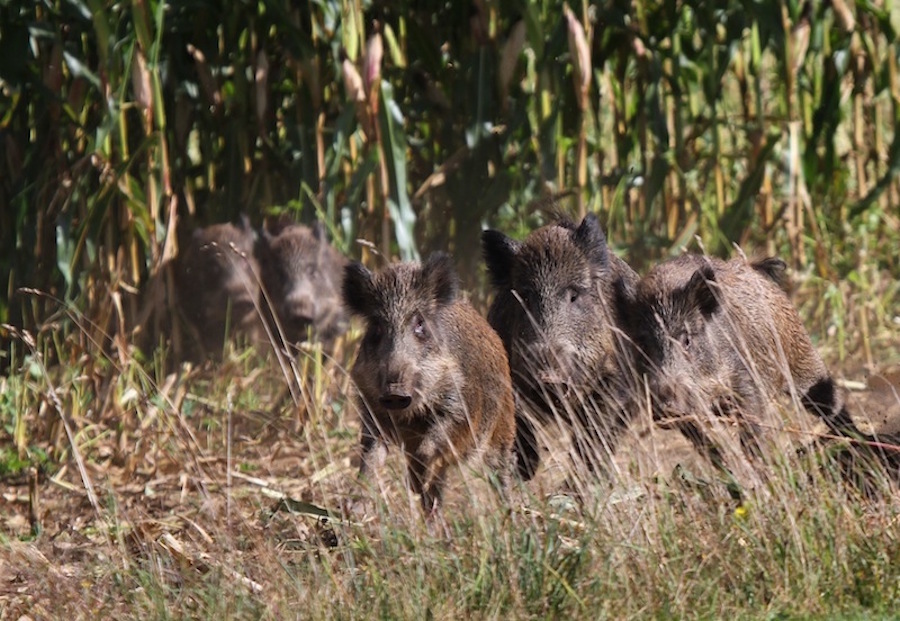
(431,374)
(302,274)
(723,338)
(553,313)
(218,284)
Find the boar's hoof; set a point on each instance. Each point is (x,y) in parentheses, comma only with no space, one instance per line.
(395,401)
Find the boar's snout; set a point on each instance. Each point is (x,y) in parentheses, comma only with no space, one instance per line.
(667,395)
(552,367)
(555,372)
(670,399)
(300,311)
(555,381)
(301,318)
(396,398)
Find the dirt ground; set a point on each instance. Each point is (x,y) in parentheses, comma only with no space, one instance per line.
(191,503)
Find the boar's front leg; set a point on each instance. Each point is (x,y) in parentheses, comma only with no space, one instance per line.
(373,448)
(706,446)
(597,430)
(528,455)
(500,460)
(427,481)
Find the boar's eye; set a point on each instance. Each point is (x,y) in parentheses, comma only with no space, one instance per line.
(573,293)
(685,339)
(419,328)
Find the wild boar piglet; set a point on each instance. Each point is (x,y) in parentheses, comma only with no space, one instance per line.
(431,375)
(217,278)
(722,337)
(553,310)
(302,275)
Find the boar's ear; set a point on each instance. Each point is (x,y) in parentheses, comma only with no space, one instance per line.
(358,289)
(623,302)
(590,238)
(499,253)
(262,245)
(320,234)
(247,227)
(772,268)
(319,231)
(441,278)
(266,238)
(700,293)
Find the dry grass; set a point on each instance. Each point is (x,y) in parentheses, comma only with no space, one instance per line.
(197,494)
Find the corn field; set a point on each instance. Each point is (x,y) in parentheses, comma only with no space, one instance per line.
(412,125)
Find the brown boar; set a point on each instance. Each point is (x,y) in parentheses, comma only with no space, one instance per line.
(553,313)
(723,338)
(302,273)
(217,279)
(431,374)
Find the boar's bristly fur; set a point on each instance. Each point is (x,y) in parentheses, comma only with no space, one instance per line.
(553,312)
(722,337)
(431,375)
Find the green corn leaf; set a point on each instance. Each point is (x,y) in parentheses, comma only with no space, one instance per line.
(401,210)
